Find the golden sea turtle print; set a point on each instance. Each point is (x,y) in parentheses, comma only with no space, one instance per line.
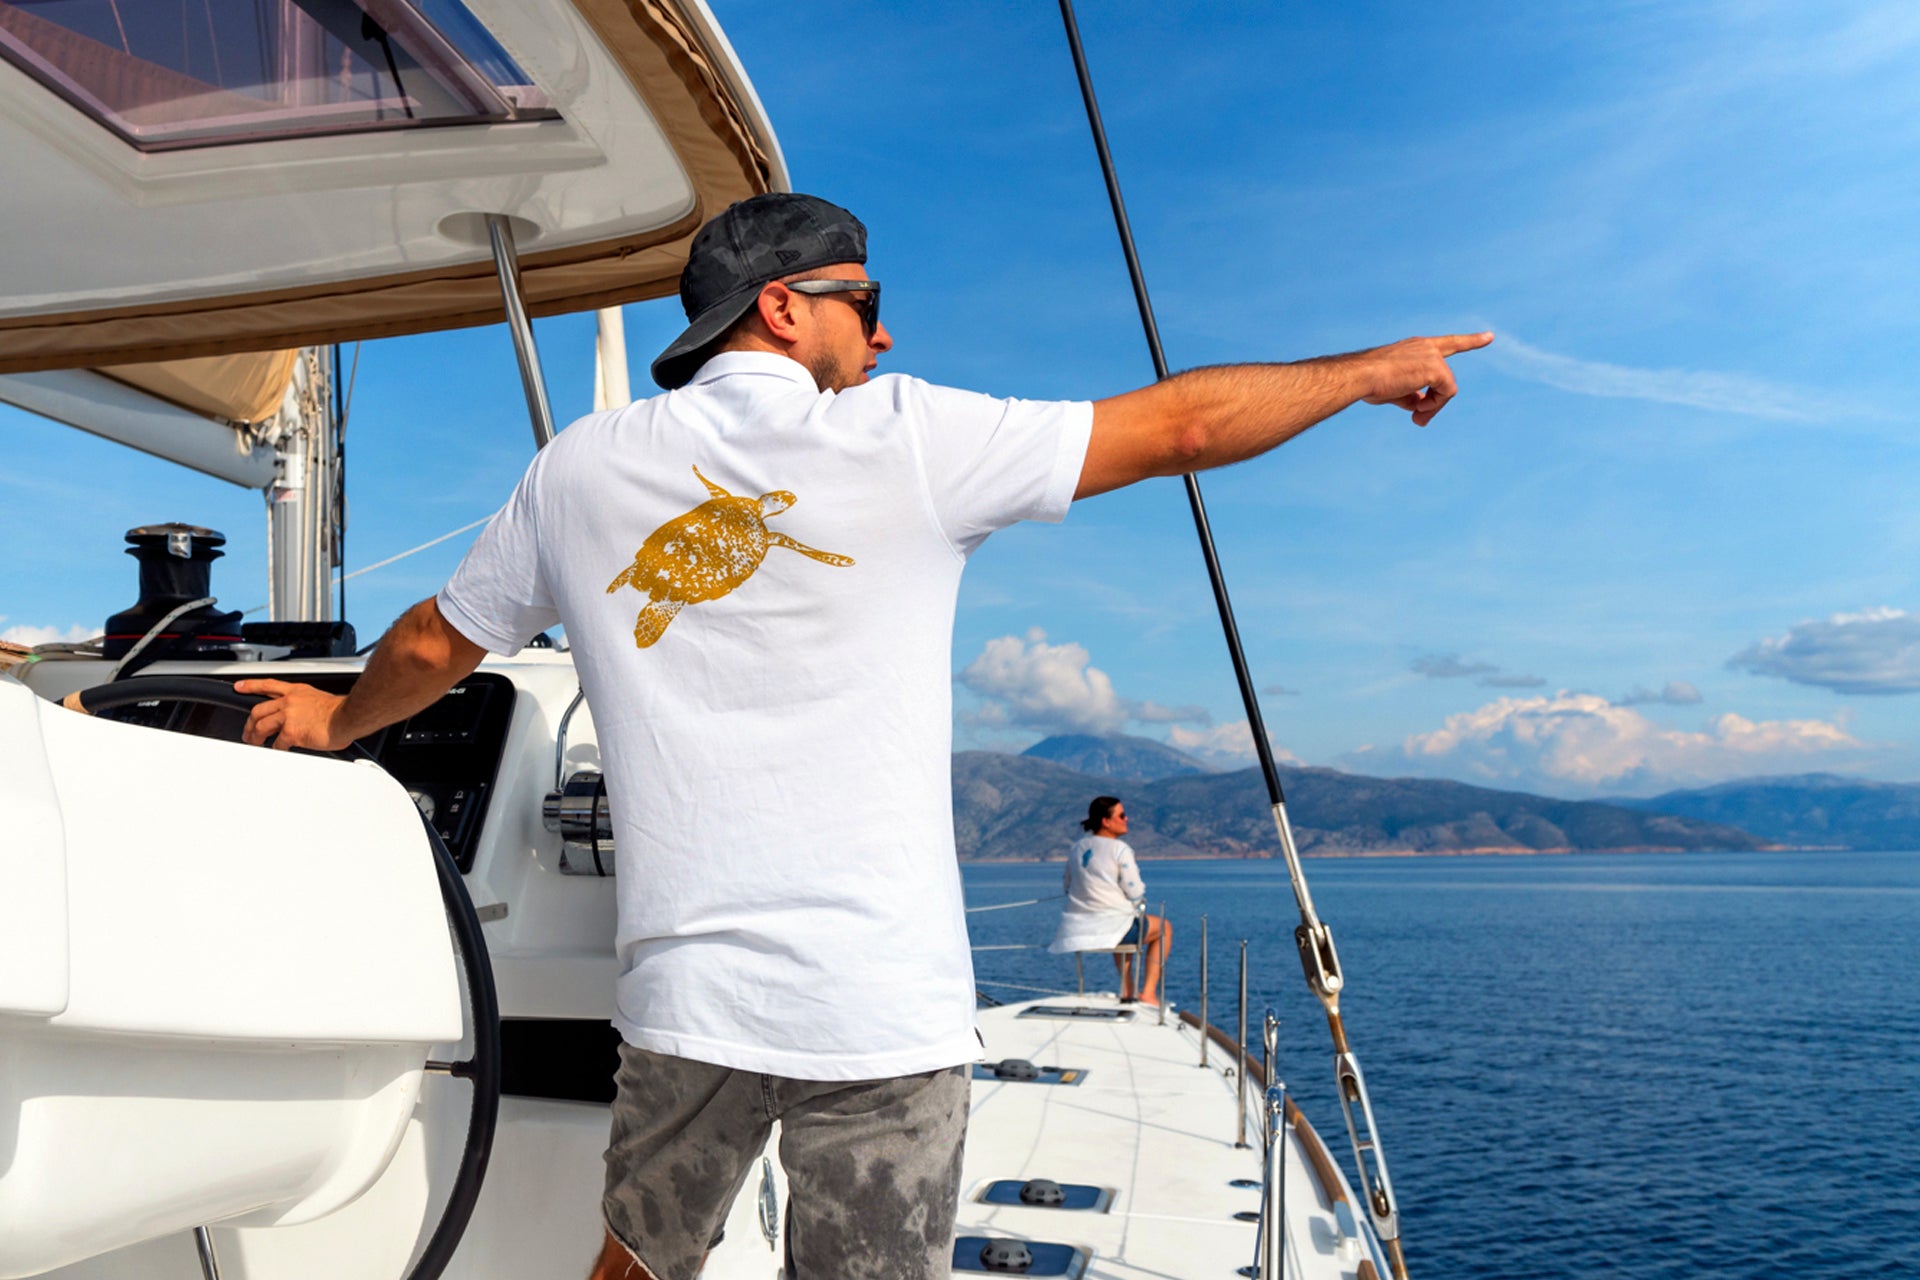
(706,553)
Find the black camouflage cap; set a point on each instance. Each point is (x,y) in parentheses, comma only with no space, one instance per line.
(756,240)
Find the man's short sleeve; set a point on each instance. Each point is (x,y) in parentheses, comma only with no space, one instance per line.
(498,597)
(992,462)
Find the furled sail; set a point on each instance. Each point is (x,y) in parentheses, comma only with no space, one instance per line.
(246,387)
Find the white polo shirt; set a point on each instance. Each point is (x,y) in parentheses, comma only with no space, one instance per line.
(758,581)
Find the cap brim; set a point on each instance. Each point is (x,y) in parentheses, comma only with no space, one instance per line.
(681,360)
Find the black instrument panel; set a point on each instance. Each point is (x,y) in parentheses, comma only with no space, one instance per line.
(447,756)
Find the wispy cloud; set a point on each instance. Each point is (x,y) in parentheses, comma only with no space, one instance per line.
(1696,389)
(1877,651)
(1674,693)
(1150,712)
(1511,682)
(1226,746)
(1448,666)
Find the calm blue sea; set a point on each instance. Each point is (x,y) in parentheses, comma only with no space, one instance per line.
(1581,1066)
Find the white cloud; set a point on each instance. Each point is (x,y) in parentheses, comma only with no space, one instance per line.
(1052,687)
(1877,651)
(1225,746)
(1580,743)
(24,634)
(1720,392)
(1675,693)
(1025,682)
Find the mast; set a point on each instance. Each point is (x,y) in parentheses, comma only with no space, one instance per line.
(1312,937)
(611,388)
(305,520)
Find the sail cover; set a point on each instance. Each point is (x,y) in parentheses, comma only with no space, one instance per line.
(238,388)
(204,220)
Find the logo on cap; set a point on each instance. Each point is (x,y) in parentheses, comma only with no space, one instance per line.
(787,256)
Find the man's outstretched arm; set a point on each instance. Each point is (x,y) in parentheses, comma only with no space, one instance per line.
(419,659)
(1211,417)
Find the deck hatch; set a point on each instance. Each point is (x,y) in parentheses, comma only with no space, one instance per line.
(253,70)
(1077,1011)
(1074,1195)
(999,1072)
(1054,1261)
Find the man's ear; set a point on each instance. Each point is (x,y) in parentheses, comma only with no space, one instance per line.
(779,312)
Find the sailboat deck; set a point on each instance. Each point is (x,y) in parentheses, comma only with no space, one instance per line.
(1146,1122)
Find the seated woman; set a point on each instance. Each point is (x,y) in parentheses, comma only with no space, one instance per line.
(1104,892)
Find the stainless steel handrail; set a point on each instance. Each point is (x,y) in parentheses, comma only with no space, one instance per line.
(560,740)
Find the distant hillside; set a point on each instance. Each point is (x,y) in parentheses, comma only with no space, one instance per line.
(1022,807)
(1813,809)
(1116,755)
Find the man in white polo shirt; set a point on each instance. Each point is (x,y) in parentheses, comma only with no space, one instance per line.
(757,574)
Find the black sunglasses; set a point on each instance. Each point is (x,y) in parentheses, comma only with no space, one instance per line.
(868,307)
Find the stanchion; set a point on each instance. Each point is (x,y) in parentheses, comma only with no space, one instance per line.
(1205,1026)
(1166,949)
(1240,1068)
(1273,1187)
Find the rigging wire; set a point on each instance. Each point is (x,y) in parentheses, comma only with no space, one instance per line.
(431,542)
(343,400)
(1007,906)
(381,564)
(1016,986)
(1312,938)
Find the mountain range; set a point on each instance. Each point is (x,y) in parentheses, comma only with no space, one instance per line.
(1809,810)
(1119,756)
(1028,807)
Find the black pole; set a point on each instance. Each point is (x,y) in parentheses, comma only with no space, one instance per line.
(1248,697)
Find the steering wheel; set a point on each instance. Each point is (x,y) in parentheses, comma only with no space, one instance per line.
(483,1068)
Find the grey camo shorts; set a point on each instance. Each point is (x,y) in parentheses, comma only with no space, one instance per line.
(873,1166)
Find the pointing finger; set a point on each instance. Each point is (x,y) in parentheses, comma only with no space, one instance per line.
(1454,343)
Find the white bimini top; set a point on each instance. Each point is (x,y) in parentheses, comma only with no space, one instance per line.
(758,580)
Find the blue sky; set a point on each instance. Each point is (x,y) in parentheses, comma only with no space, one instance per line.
(1666,536)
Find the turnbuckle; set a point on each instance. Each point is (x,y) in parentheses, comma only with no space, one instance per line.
(1376,1185)
(1320,961)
